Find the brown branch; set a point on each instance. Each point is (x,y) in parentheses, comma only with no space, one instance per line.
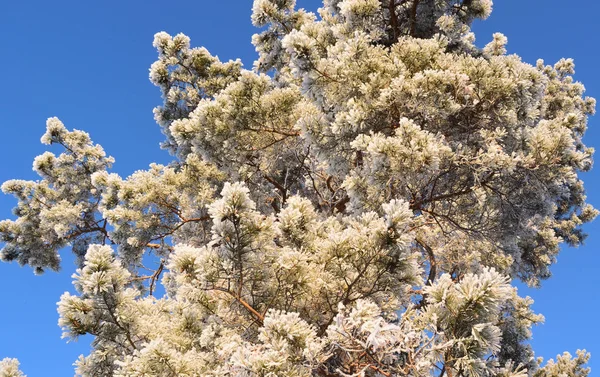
(171,207)
(83,231)
(359,159)
(195,219)
(104,232)
(259,317)
(418,204)
(379,370)
(394,20)
(340,205)
(328,182)
(375,368)
(432,262)
(413,17)
(272,130)
(182,223)
(114,318)
(156,275)
(279,186)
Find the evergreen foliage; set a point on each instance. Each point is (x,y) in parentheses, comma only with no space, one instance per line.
(356,205)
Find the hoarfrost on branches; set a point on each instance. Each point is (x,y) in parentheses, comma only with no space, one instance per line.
(357,205)
(10,368)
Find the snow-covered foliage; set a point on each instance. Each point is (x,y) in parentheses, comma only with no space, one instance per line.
(10,368)
(357,205)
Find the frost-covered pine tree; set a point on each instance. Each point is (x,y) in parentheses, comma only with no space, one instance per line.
(356,205)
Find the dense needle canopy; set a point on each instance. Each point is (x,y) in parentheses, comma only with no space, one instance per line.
(357,204)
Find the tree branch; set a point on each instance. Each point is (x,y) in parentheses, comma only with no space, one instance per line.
(394,21)
(432,262)
(413,17)
(259,317)
(156,275)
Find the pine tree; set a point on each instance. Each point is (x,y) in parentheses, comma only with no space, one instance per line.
(358,204)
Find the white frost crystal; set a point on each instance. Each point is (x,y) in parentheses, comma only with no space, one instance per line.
(356,206)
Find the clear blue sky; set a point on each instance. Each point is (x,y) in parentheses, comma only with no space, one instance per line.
(87,63)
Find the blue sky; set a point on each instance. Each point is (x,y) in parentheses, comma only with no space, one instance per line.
(87,63)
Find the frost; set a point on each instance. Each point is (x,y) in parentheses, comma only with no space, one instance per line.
(358,205)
